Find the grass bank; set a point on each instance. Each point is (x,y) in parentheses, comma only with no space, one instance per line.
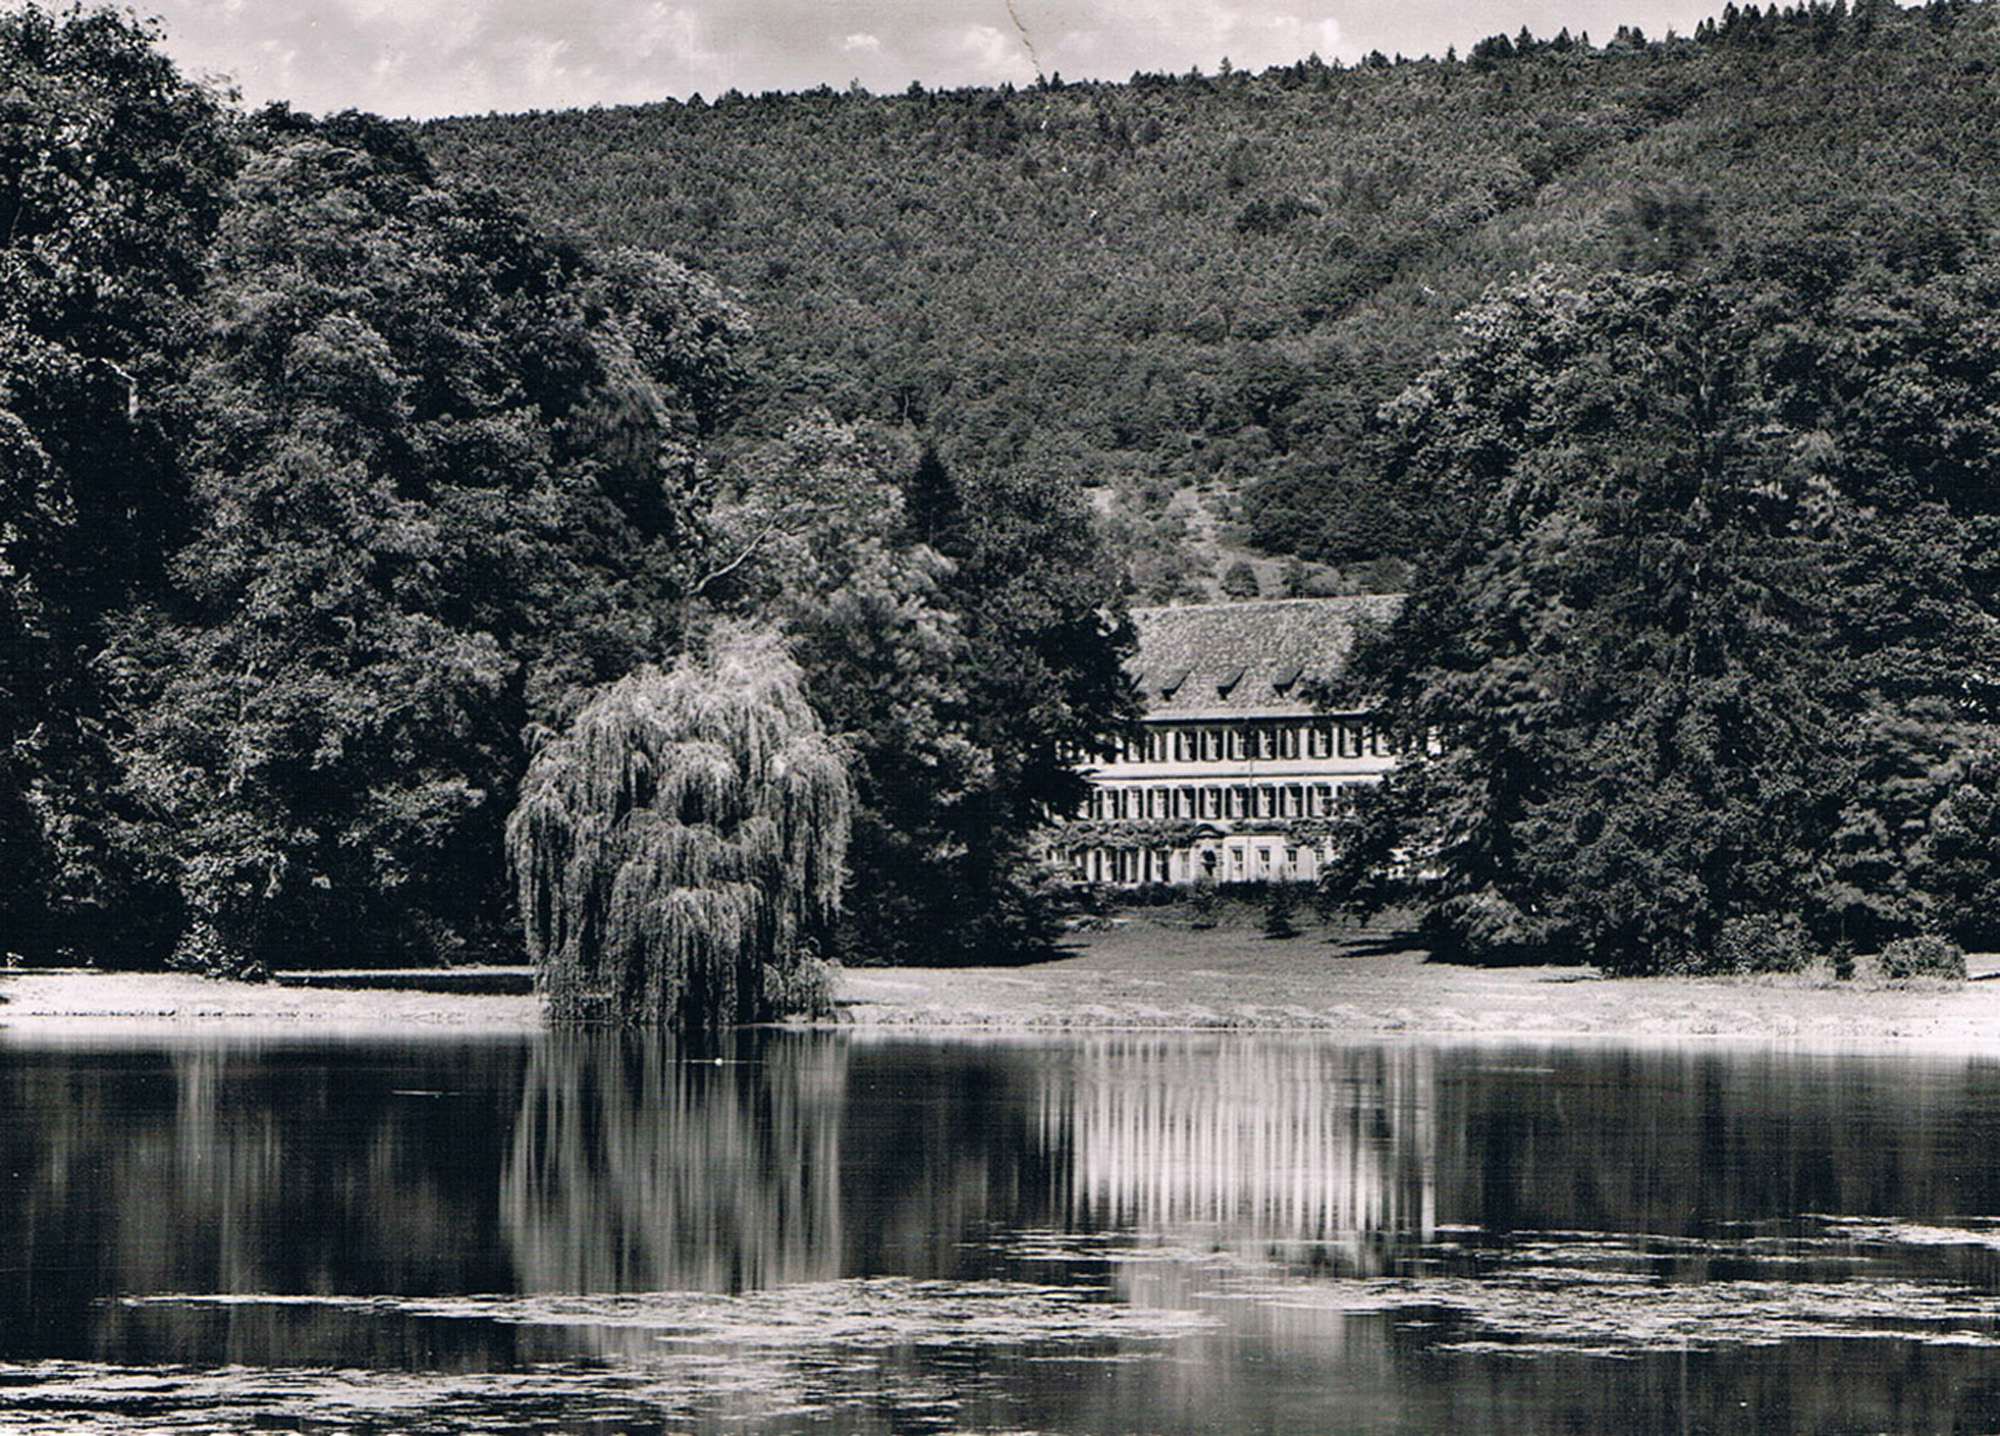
(1147,969)
(85,1004)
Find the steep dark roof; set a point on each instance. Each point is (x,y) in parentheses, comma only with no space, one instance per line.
(1235,660)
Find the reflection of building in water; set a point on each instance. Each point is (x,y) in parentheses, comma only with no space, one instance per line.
(636,1170)
(1252,1145)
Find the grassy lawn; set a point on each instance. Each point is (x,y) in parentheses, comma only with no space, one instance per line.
(1150,969)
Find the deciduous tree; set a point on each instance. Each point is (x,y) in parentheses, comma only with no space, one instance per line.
(442,474)
(1659,688)
(678,849)
(113,169)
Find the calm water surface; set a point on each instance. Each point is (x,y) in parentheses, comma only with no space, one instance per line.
(1143,1234)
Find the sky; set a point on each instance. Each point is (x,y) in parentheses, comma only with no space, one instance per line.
(423,58)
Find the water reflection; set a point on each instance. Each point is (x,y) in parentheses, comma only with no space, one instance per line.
(1697,1142)
(241,1170)
(1253,1146)
(1115,1233)
(634,1169)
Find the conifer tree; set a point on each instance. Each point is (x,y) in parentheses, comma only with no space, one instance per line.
(1278,921)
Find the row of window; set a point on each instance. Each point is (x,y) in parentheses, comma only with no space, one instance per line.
(1249,742)
(1244,800)
(1233,864)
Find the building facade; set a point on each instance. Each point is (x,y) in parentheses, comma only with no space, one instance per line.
(1236,772)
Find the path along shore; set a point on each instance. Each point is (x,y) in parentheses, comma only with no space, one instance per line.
(1136,974)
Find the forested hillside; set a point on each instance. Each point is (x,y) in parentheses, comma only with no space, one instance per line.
(1208,285)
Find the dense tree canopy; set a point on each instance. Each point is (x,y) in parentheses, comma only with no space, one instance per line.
(333,489)
(1698,676)
(440,481)
(113,173)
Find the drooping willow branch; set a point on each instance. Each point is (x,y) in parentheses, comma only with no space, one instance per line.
(674,850)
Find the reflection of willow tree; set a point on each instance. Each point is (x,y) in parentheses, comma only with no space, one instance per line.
(633,1170)
(678,848)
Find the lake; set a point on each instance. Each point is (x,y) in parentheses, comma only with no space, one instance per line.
(853,1233)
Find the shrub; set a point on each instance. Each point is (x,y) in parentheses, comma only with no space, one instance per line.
(1926,955)
(1761,942)
(1201,906)
(1278,921)
(805,988)
(1239,580)
(1484,929)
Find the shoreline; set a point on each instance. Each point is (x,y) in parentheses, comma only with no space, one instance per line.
(1136,975)
(1147,976)
(84,1004)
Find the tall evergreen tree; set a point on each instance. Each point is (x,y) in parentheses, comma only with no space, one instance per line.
(957,637)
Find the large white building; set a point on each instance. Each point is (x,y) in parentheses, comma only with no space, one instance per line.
(1236,769)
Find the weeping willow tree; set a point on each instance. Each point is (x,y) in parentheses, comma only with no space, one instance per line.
(676,850)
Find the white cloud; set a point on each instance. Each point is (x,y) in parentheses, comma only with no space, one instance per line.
(434,27)
(541,61)
(994,55)
(276,65)
(672,31)
(428,57)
